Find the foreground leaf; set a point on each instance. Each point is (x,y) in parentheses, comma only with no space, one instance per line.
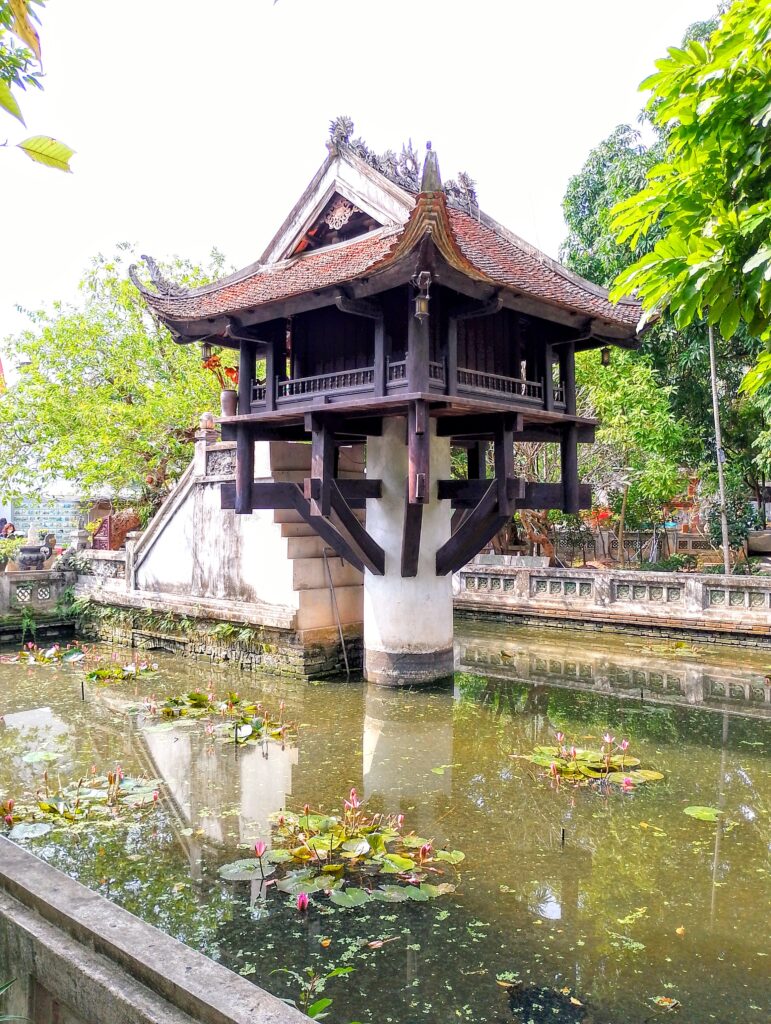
(50,152)
(702,813)
(8,101)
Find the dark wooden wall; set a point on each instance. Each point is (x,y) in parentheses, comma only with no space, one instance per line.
(327,341)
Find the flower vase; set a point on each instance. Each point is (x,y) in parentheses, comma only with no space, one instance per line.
(229,402)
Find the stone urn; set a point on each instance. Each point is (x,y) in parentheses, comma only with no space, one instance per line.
(229,402)
(33,554)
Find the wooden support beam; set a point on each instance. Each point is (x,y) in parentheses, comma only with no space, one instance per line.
(271,370)
(276,494)
(452,356)
(419,450)
(413,524)
(552,434)
(568,373)
(569,461)
(380,363)
(465,494)
(358,307)
(457,518)
(473,424)
(553,496)
(479,527)
(353,533)
(353,426)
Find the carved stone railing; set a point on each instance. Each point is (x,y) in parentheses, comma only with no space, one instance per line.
(738,606)
(37,591)
(493,383)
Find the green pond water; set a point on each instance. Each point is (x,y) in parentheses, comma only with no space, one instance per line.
(641,901)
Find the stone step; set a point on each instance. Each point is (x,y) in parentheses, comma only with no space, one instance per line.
(288,515)
(317,612)
(297,530)
(307,546)
(311,574)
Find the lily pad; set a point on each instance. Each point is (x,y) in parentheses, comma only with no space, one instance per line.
(37,756)
(278,856)
(357,847)
(703,813)
(413,842)
(393,863)
(304,881)
(246,870)
(29,830)
(450,856)
(351,897)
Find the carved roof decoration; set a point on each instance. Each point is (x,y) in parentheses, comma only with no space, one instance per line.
(400,214)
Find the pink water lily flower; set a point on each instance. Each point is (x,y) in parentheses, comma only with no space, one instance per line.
(302,902)
(560,737)
(627,784)
(625,744)
(607,738)
(259,849)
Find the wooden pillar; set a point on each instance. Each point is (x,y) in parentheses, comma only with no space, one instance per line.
(418,349)
(569,460)
(504,462)
(451,364)
(477,460)
(270,376)
(244,440)
(568,375)
(380,357)
(418,444)
(548,378)
(318,488)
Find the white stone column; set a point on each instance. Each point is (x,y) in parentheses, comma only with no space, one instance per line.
(407,622)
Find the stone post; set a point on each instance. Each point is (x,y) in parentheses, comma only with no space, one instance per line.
(131,543)
(407,621)
(79,539)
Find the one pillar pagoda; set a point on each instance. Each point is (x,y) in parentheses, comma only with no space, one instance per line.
(390,310)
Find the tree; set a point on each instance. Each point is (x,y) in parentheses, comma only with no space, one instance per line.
(21,66)
(709,197)
(105,398)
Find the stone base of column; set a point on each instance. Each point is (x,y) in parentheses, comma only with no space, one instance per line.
(408,669)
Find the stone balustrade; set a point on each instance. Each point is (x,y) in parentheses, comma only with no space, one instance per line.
(728,608)
(38,591)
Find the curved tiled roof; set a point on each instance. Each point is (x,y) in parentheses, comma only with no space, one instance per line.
(473,243)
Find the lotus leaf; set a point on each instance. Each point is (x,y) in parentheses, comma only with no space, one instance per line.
(703,813)
(29,830)
(246,870)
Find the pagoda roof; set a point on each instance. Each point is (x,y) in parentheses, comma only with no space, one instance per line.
(468,242)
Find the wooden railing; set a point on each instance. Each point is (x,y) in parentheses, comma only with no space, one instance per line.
(397,371)
(559,395)
(344,380)
(436,372)
(493,383)
(258,392)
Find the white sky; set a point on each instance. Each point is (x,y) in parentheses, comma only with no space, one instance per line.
(199,123)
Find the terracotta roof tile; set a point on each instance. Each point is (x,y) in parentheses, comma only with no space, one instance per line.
(494,253)
(518,266)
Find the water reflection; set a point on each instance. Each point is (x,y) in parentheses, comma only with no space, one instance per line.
(615,897)
(667,671)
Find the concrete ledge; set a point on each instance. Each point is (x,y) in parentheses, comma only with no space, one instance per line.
(107,965)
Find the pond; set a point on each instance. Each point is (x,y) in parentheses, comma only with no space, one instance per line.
(593,902)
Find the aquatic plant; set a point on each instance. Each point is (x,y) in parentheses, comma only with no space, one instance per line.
(311,987)
(580,766)
(96,798)
(31,654)
(239,720)
(353,858)
(116,673)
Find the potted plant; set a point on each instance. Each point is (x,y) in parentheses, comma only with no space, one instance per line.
(227,377)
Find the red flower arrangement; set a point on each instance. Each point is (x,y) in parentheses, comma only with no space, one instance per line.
(227,376)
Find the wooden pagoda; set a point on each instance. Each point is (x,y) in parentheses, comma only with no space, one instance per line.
(386,295)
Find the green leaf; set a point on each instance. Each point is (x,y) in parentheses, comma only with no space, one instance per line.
(22,26)
(315,1009)
(394,863)
(8,101)
(50,152)
(702,813)
(350,897)
(450,856)
(246,870)
(37,756)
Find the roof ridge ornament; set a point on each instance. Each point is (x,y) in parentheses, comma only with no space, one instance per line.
(162,284)
(431,181)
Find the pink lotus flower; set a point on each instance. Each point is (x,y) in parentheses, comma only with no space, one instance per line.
(302,902)
(282,821)
(307,809)
(425,851)
(607,738)
(355,802)
(155,796)
(8,820)
(573,753)
(259,849)
(554,770)
(400,821)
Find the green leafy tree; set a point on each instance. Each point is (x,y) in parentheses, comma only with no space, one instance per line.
(105,398)
(709,197)
(20,67)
